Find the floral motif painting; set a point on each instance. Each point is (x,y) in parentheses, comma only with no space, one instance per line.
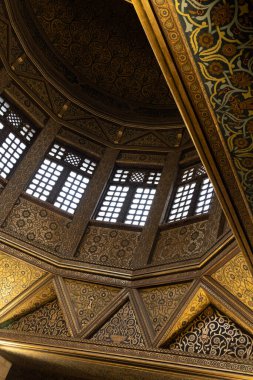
(220,34)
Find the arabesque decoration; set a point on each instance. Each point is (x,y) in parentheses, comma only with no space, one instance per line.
(15,277)
(236,277)
(89,299)
(32,302)
(161,301)
(47,320)
(121,329)
(215,334)
(195,306)
(220,35)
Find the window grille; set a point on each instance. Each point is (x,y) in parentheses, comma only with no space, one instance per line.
(193,194)
(62,178)
(129,196)
(16,134)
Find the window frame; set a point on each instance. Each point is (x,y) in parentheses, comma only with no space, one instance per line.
(60,182)
(199,181)
(128,201)
(8,128)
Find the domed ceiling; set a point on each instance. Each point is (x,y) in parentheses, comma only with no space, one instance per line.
(100,52)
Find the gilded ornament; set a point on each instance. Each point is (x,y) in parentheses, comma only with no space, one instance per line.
(89,300)
(15,277)
(236,277)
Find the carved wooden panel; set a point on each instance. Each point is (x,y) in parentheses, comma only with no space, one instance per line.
(213,333)
(44,295)
(89,299)
(37,225)
(108,246)
(47,320)
(162,301)
(236,277)
(81,142)
(15,277)
(181,243)
(121,329)
(142,158)
(189,311)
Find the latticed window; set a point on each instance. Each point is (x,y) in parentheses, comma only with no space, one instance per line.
(16,134)
(62,178)
(193,194)
(129,196)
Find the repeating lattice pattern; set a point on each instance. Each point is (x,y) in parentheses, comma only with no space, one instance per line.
(3,106)
(27,131)
(154,178)
(120,175)
(112,204)
(193,172)
(205,197)
(10,152)
(88,166)
(193,194)
(182,202)
(137,177)
(57,151)
(73,159)
(56,181)
(140,206)
(15,135)
(129,197)
(44,180)
(72,192)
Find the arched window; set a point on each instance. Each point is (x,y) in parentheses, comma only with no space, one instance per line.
(62,177)
(16,134)
(129,196)
(193,194)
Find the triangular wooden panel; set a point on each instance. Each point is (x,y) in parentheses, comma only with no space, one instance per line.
(130,134)
(47,320)
(147,140)
(91,126)
(74,112)
(39,88)
(89,300)
(213,333)
(122,328)
(196,304)
(161,301)
(15,277)
(27,69)
(56,99)
(171,138)
(236,277)
(43,295)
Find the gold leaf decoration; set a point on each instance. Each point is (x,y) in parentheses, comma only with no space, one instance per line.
(162,301)
(121,329)
(44,295)
(89,299)
(236,277)
(15,277)
(47,320)
(194,307)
